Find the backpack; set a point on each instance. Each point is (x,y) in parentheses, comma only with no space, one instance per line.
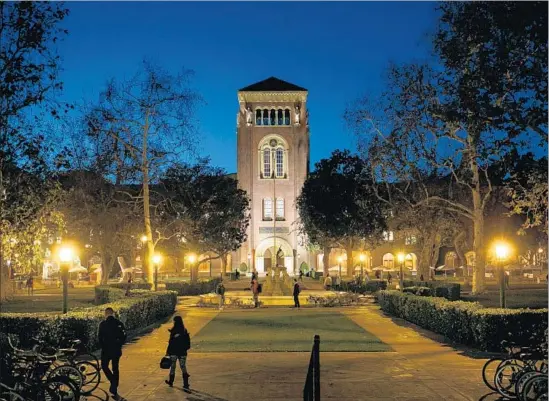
(259,288)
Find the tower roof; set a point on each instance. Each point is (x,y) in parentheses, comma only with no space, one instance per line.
(273,84)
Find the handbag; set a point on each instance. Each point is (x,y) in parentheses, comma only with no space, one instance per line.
(165,362)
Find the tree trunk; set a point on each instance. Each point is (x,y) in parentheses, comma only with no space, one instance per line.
(106,266)
(6,288)
(147,265)
(478,248)
(350,264)
(326,260)
(223,265)
(458,246)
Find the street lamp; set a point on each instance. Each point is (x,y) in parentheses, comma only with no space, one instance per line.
(192,259)
(400,258)
(362,258)
(144,238)
(502,252)
(156,259)
(66,256)
(339,260)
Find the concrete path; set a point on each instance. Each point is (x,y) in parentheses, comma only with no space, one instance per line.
(420,368)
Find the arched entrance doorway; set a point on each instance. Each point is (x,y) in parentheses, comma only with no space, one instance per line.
(268,249)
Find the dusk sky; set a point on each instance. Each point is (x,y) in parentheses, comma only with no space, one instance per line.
(338,51)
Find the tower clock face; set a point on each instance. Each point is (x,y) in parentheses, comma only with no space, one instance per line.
(273,142)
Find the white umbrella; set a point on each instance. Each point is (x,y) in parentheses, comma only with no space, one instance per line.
(78,269)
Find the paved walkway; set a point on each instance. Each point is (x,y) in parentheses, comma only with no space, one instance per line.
(419,368)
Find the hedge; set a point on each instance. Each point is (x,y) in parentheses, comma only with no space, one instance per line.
(420,291)
(139,310)
(141,285)
(468,322)
(450,291)
(197,288)
(367,286)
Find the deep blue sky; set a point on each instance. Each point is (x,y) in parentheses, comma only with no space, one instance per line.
(338,51)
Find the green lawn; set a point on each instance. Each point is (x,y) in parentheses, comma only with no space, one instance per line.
(49,300)
(515,298)
(279,330)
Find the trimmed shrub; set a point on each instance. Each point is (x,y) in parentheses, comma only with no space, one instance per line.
(368,286)
(420,291)
(188,288)
(450,291)
(141,285)
(106,294)
(468,322)
(139,310)
(304,267)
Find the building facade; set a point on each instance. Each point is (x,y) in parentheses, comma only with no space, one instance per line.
(273,163)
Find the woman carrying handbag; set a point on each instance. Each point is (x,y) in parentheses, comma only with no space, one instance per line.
(180,343)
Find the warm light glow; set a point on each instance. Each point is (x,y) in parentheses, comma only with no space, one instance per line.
(502,251)
(144,238)
(191,258)
(37,242)
(66,254)
(157,259)
(362,257)
(400,257)
(340,259)
(540,250)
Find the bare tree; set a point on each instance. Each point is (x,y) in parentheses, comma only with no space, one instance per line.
(148,121)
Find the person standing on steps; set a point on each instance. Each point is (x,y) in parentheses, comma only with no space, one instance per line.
(220,290)
(255,291)
(328,282)
(179,344)
(112,336)
(297,290)
(301,275)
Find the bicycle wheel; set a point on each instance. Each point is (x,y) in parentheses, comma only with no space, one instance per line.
(91,375)
(489,372)
(521,382)
(506,377)
(59,388)
(69,371)
(534,387)
(11,396)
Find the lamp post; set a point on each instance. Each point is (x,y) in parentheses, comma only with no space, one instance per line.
(66,256)
(156,259)
(362,257)
(192,258)
(400,258)
(339,260)
(502,252)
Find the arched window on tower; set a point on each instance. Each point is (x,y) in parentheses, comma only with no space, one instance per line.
(267,163)
(258,117)
(286,117)
(279,163)
(273,117)
(280,117)
(265,117)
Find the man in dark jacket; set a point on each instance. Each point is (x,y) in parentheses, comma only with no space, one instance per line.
(297,290)
(112,336)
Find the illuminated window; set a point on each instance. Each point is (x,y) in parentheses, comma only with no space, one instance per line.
(388,236)
(410,239)
(267,163)
(267,209)
(279,208)
(279,162)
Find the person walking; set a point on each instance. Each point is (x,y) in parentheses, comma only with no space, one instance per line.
(328,282)
(255,291)
(297,290)
(30,285)
(389,278)
(178,345)
(112,336)
(301,275)
(220,290)
(421,277)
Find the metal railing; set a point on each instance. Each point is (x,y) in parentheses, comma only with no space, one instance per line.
(311,391)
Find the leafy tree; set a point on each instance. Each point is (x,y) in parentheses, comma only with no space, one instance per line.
(148,123)
(215,210)
(484,97)
(337,206)
(29,67)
